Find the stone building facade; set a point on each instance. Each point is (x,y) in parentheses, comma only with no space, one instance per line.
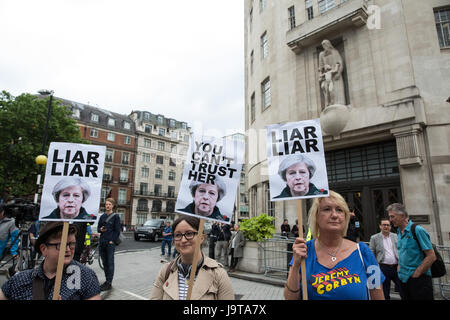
(161,149)
(393,146)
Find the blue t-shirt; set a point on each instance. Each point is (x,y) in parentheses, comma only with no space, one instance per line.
(345,281)
(410,256)
(168,230)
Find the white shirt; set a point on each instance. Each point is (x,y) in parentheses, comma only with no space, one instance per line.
(389,256)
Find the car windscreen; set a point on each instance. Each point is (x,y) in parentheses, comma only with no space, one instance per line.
(152,224)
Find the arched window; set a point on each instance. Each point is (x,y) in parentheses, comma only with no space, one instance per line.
(142,205)
(170,206)
(156,207)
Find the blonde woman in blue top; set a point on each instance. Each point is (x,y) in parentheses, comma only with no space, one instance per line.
(336,268)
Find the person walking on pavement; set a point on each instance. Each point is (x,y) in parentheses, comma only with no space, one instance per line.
(213,235)
(211,280)
(8,233)
(167,240)
(353,227)
(222,244)
(329,256)
(38,283)
(384,247)
(109,228)
(414,261)
(285,228)
(236,247)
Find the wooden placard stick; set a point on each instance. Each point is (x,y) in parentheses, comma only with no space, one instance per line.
(300,234)
(195,260)
(60,267)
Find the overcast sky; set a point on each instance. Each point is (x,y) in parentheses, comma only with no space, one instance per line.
(183,59)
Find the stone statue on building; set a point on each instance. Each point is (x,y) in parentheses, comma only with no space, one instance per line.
(331,66)
(335,113)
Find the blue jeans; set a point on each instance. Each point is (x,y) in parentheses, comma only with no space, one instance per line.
(106,252)
(163,247)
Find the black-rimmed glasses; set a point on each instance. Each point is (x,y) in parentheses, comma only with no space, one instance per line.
(71,245)
(188,235)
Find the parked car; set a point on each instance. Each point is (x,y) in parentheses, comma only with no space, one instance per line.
(152,230)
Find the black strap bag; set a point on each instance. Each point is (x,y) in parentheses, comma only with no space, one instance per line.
(438,266)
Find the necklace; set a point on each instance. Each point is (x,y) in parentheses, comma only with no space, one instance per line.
(332,255)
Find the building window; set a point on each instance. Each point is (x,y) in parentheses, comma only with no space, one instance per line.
(146,157)
(161,146)
(172,175)
(442,18)
(127,140)
(269,205)
(162,132)
(94,117)
(94,133)
(143,188)
(141,218)
(142,205)
(145,172)
(148,128)
(170,206)
(126,125)
(111,122)
(362,163)
(76,113)
(252,107)
(171,191)
(111,136)
(265,94)
(107,174)
(157,190)
(158,174)
(184,125)
(264,46)
(291,15)
(147,143)
(160,119)
(309,9)
(122,198)
(254,199)
(172,162)
(123,175)
(125,157)
(325,5)
(146,116)
(105,193)
(109,155)
(172,123)
(159,159)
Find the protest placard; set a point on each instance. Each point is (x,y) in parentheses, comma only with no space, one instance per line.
(296,161)
(73,182)
(297,169)
(210,178)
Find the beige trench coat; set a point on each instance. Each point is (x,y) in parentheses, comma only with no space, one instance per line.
(212,283)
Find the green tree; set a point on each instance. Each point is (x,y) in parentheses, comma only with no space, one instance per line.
(22,126)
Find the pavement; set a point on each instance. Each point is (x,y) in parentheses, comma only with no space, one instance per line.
(136,271)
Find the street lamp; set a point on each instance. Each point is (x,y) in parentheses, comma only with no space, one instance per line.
(40,159)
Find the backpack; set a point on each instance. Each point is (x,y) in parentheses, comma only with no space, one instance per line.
(120,237)
(438,266)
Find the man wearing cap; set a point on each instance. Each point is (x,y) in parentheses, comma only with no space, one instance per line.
(78,281)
